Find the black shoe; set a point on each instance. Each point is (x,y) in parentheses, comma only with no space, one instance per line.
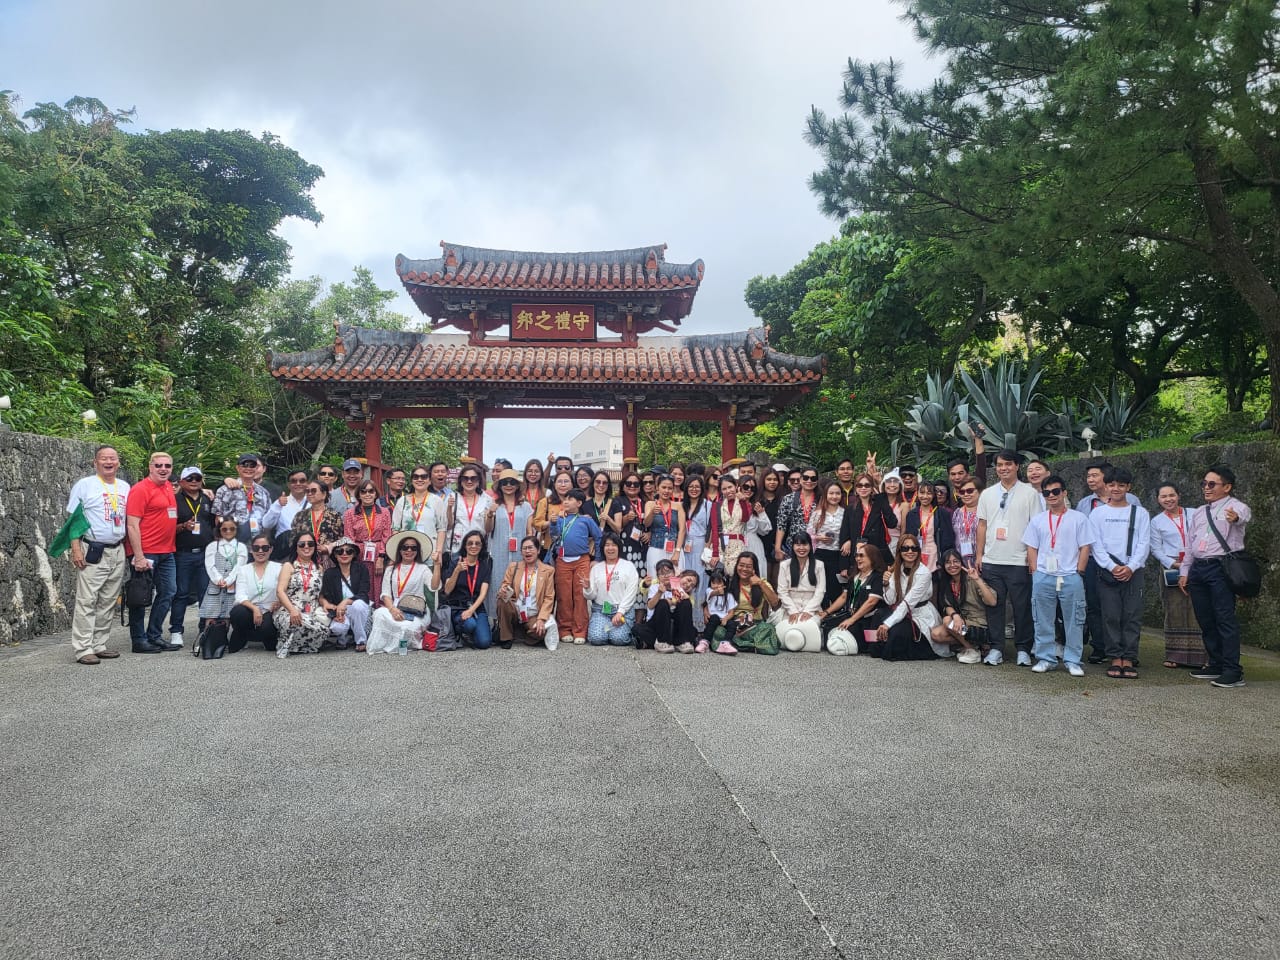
(505,644)
(1099,658)
(146,648)
(1207,673)
(165,647)
(1229,680)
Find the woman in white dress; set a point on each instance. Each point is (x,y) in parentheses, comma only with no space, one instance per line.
(408,595)
(907,632)
(801,584)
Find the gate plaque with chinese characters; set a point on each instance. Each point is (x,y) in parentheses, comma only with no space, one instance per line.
(553,321)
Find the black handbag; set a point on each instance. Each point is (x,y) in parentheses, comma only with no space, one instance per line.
(1242,570)
(212,642)
(140,589)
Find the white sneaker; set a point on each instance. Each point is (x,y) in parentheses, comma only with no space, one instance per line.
(663,647)
(1075,669)
(1043,666)
(993,658)
(968,656)
(1024,658)
(579,640)
(175,638)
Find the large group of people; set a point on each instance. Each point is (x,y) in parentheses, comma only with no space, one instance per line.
(682,558)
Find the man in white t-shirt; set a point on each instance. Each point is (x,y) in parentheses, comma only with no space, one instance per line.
(99,557)
(1057,543)
(1004,510)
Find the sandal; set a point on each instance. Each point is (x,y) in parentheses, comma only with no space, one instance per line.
(1171,665)
(1128,673)
(359,648)
(1115,672)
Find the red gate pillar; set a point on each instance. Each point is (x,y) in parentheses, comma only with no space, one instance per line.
(630,443)
(728,439)
(373,448)
(475,437)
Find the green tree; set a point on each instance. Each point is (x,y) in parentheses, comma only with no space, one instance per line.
(1063,136)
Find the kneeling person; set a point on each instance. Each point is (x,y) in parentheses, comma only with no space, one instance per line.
(526,599)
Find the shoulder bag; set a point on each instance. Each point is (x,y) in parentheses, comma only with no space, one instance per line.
(1241,568)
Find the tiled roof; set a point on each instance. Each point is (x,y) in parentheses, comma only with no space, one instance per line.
(479,268)
(706,361)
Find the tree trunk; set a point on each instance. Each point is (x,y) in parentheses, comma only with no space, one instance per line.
(1231,255)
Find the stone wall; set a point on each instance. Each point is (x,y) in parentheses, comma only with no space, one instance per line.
(1257,467)
(37,592)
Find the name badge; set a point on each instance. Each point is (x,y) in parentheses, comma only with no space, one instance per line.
(512,546)
(116,519)
(524,616)
(1051,563)
(966,552)
(253,525)
(608,609)
(370,550)
(669,546)
(195,528)
(173,513)
(635,533)
(1002,533)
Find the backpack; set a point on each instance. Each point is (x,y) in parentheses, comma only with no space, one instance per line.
(211,644)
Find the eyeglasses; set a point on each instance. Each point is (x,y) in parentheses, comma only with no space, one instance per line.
(648,483)
(260,547)
(470,479)
(793,481)
(968,490)
(1055,492)
(296,480)
(313,491)
(1209,484)
(1004,499)
(305,543)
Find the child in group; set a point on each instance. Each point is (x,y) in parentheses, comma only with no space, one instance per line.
(717,609)
(223,559)
(689,582)
(669,626)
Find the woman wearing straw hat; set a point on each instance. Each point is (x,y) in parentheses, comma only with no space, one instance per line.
(506,525)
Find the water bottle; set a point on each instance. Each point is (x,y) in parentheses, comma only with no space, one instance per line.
(404,646)
(282,650)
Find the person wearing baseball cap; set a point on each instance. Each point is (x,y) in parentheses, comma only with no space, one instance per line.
(196,530)
(247,503)
(343,498)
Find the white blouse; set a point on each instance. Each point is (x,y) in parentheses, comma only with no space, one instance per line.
(261,593)
(801,597)
(621,591)
(1166,540)
(918,602)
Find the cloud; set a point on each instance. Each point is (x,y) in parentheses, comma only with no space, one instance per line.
(550,126)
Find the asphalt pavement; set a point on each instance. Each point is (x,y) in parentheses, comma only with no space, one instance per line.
(608,803)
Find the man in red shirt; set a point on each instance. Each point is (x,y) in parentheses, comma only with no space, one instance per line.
(152,520)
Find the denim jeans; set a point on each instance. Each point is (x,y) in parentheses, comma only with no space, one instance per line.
(192,581)
(475,629)
(144,630)
(1045,597)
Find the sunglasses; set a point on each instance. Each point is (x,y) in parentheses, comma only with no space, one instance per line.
(509,483)
(302,543)
(968,490)
(408,546)
(863,486)
(327,473)
(422,476)
(470,479)
(1056,491)
(810,479)
(631,483)
(297,479)
(1209,484)
(907,548)
(1004,499)
(260,547)
(313,491)
(794,481)
(344,552)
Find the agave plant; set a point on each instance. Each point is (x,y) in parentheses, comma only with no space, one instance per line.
(1113,416)
(1004,402)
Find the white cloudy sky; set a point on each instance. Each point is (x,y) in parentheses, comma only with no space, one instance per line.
(554,125)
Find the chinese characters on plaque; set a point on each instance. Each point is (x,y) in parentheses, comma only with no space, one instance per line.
(553,321)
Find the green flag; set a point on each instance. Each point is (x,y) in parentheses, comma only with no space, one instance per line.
(75,528)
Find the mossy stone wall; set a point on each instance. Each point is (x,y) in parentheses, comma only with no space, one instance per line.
(1257,467)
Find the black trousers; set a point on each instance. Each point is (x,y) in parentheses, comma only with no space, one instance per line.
(244,632)
(667,624)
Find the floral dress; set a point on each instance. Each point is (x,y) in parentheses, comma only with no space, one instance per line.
(364,528)
(734,515)
(303,591)
(328,530)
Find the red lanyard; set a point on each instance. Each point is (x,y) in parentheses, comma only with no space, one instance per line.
(968,520)
(315,524)
(1053,533)
(511,521)
(926,524)
(368,522)
(955,589)
(608,577)
(248,497)
(1181,523)
(807,510)
(528,579)
(533,495)
(400,584)
(666,519)
(471,510)
(416,508)
(306,575)
(473,574)
(866,516)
